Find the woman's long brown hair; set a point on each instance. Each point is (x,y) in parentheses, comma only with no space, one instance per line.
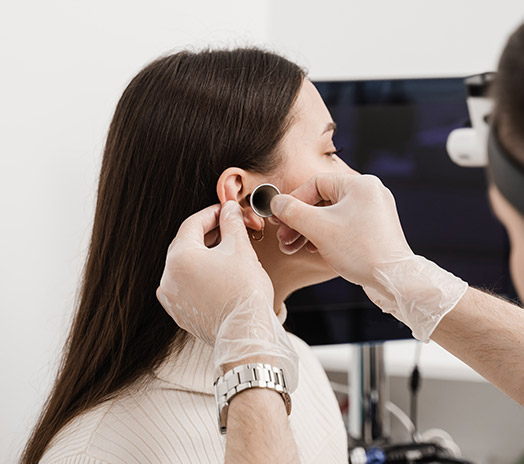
(179,124)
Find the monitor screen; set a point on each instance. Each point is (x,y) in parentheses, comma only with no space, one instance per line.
(397,130)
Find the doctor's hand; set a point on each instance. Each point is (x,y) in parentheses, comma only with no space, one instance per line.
(359,230)
(220,293)
(359,235)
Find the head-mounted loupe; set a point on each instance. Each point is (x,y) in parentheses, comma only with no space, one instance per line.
(469,146)
(479,146)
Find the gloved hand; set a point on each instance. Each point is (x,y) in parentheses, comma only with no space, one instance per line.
(361,238)
(222,295)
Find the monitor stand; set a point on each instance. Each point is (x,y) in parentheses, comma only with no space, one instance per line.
(368,392)
(368,419)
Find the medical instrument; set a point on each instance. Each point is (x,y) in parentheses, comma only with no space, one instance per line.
(260,199)
(480,146)
(468,146)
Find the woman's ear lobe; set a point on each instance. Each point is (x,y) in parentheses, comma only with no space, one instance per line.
(251,220)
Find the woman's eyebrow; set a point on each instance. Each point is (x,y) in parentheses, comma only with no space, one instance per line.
(330,127)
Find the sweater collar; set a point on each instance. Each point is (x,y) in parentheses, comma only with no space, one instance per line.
(191,368)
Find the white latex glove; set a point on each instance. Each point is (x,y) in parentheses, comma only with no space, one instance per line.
(359,235)
(222,295)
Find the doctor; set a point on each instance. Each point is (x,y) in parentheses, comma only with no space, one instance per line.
(360,236)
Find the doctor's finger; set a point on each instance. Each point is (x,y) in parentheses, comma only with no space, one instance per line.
(292,248)
(195,227)
(301,217)
(324,186)
(231,220)
(286,235)
(232,225)
(329,187)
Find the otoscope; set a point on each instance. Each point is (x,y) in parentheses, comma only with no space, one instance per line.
(260,199)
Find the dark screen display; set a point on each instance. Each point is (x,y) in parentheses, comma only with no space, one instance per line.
(397,130)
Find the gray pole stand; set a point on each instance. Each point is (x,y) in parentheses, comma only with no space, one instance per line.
(368,391)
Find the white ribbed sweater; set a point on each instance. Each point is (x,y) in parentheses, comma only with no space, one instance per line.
(172,418)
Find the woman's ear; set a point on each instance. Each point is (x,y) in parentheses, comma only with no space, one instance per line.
(236,184)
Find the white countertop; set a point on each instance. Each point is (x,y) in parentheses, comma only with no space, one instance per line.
(435,362)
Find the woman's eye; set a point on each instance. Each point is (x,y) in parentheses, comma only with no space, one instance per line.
(336,152)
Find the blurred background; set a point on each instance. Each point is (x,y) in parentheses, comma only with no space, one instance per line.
(64,65)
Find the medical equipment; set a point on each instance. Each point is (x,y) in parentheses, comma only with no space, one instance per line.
(468,146)
(260,199)
(480,146)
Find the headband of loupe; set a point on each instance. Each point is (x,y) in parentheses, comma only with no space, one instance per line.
(480,146)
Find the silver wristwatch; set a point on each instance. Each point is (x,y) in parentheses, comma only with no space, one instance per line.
(254,375)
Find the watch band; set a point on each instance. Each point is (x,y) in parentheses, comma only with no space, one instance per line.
(253,375)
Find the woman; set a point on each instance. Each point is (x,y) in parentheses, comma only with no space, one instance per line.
(190,129)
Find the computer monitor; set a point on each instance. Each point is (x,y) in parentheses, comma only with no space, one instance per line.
(397,129)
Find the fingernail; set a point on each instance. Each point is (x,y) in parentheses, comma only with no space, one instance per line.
(274,220)
(286,251)
(281,236)
(290,241)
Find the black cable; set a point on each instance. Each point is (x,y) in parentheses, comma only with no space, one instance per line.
(414,386)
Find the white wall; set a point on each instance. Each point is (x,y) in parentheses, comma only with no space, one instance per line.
(384,38)
(63,67)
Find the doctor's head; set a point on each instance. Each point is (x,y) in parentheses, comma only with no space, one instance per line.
(509,122)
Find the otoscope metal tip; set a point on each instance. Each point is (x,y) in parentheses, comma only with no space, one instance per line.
(260,199)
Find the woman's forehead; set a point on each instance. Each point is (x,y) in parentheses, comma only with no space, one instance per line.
(311,114)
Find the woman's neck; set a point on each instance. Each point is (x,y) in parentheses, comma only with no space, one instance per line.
(277,305)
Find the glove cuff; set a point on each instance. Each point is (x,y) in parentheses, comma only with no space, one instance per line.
(417,292)
(250,332)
